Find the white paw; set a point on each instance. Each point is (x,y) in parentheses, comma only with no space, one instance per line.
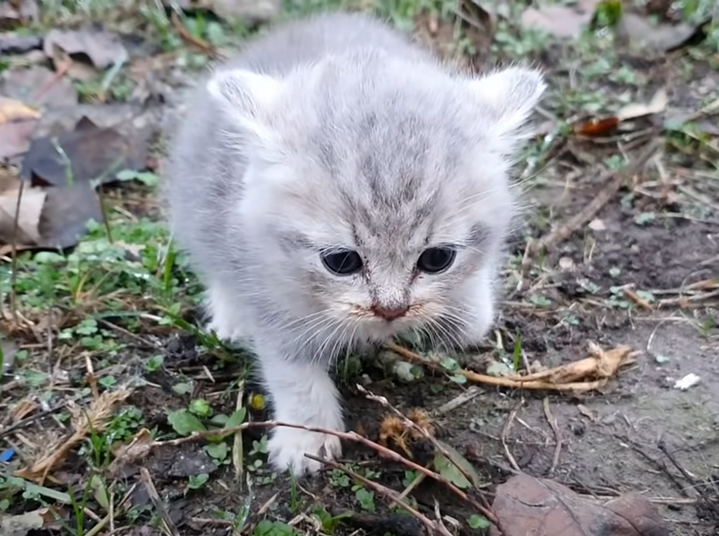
(226,331)
(287,448)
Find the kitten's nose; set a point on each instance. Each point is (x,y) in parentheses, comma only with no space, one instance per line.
(389,313)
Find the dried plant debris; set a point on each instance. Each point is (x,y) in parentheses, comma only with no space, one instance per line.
(93,419)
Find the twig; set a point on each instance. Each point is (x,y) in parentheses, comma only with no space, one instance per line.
(237,450)
(434,526)
(613,181)
(505,432)
(157,502)
(133,452)
(547,379)
(637,299)
(63,68)
(13,275)
(185,34)
(29,420)
(557,436)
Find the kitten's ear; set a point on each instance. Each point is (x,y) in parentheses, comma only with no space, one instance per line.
(509,96)
(247,97)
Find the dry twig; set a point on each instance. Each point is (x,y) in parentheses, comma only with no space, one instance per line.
(572,377)
(142,444)
(612,181)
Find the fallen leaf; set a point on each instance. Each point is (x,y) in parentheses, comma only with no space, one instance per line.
(560,21)
(99,47)
(527,505)
(70,166)
(19,44)
(22,524)
(655,38)
(27,214)
(87,153)
(37,86)
(13,14)
(17,123)
(248,11)
(657,105)
(456,468)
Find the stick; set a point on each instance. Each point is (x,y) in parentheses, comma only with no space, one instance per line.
(613,180)
(141,451)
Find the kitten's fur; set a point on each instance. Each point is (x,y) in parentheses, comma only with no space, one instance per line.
(337,131)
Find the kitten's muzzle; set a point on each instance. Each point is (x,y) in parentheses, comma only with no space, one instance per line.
(389,313)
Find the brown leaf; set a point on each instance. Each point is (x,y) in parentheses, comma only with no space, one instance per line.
(87,153)
(248,11)
(70,165)
(560,21)
(98,47)
(17,123)
(657,105)
(22,524)
(19,44)
(655,38)
(37,86)
(527,505)
(28,215)
(13,14)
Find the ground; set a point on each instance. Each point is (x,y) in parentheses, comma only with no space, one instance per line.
(629,256)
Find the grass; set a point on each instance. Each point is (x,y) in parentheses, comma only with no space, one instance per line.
(120,310)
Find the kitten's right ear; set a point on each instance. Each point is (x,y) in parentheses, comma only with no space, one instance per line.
(247,97)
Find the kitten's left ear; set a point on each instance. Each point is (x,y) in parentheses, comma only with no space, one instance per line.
(509,96)
(247,97)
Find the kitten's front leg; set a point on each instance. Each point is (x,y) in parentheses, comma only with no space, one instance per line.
(303,393)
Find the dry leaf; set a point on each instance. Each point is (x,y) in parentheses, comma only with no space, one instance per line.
(657,105)
(527,505)
(19,44)
(248,11)
(37,85)
(17,123)
(98,47)
(656,38)
(94,418)
(22,524)
(561,21)
(32,201)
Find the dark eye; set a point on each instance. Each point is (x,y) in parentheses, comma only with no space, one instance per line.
(342,262)
(436,260)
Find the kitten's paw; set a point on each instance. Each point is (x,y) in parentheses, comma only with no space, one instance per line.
(227,331)
(288,446)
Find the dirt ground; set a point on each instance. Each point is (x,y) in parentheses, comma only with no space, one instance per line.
(642,271)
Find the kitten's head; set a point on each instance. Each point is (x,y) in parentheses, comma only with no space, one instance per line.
(376,188)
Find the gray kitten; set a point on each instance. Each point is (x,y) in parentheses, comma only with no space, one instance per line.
(337,185)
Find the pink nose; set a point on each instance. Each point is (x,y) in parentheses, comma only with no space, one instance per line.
(389,313)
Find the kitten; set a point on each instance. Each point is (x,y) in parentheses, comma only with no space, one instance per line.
(336,185)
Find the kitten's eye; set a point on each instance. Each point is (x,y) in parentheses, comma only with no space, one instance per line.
(342,262)
(436,260)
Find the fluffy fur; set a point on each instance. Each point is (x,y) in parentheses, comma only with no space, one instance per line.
(336,131)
